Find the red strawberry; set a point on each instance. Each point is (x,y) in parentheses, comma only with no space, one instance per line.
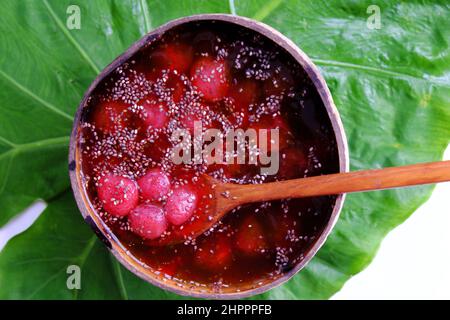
(178,87)
(155,112)
(158,149)
(181,205)
(148,221)
(250,237)
(108,116)
(154,185)
(173,57)
(119,195)
(210,77)
(214,252)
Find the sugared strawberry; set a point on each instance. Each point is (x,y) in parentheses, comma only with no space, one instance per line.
(177,85)
(154,113)
(214,252)
(154,185)
(173,57)
(148,221)
(181,205)
(250,238)
(198,113)
(210,77)
(108,116)
(119,195)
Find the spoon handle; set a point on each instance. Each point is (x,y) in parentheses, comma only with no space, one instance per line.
(365,180)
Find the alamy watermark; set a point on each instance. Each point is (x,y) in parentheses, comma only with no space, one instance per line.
(73,21)
(374,20)
(74,279)
(235,146)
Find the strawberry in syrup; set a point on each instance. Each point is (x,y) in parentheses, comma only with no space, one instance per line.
(118,195)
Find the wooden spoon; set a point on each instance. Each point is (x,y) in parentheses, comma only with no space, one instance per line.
(227,196)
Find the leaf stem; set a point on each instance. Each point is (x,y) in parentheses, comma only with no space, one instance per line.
(119,276)
(262,13)
(36,144)
(393,74)
(232,7)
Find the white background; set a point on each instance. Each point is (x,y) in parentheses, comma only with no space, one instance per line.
(413,261)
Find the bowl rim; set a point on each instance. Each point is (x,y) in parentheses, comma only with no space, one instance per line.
(103,231)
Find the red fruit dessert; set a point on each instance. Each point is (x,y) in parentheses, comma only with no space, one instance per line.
(156,149)
(226,78)
(181,205)
(154,185)
(250,237)
(177,84)
(110,115)
(243,94)
(268,123)
(210,77)
(154,112)
(293,163)
(118,195)
(280,83)
(171,266)
(175,56)
(284,230)
(148,221)
(214,253)
(187,121)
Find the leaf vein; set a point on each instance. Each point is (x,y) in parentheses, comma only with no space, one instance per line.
(232,7)
(71,38)
(146,13)
(35,144)
(119,276)
(394,74)
(262,13)
(7,142)
(35,97)
(50,279)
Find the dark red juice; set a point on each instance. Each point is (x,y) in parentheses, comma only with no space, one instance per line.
(224,77)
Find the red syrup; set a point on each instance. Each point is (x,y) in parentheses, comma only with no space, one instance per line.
(226,77)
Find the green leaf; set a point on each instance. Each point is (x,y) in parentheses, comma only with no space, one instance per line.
(391,86)
(35,264)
